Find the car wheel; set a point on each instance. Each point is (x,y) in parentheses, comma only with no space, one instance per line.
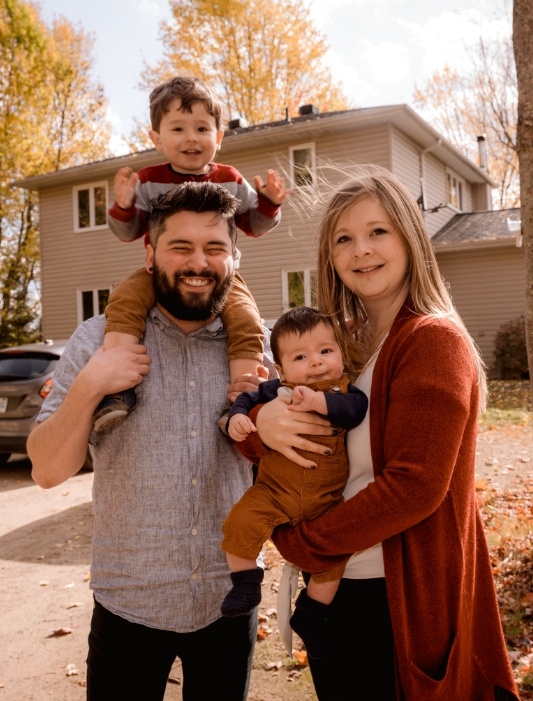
(4,457)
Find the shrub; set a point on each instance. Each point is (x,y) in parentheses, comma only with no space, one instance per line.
(510,350)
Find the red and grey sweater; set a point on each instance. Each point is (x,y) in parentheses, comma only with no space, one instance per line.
(256,214)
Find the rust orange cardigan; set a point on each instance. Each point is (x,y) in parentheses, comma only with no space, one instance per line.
(422,507)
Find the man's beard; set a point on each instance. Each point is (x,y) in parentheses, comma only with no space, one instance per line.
(190,307)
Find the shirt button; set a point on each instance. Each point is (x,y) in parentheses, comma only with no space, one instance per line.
(194,531)
(192,383)
(194,433)
(194,576)
(194,482)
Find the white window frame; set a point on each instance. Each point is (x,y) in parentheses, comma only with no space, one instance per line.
(459,185)
(307,275)
(301,147)
(96,301)
(91,188)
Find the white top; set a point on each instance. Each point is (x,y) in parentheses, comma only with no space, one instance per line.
(367,563)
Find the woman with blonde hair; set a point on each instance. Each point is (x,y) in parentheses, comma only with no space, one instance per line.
(416,615)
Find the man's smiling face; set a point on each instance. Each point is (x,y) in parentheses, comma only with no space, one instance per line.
(193,266)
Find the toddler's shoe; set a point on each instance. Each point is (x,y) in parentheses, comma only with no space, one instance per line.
(113,409)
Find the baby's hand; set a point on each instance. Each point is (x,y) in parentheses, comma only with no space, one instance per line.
(240,426)
(125,182)
(274,188)
(304,399)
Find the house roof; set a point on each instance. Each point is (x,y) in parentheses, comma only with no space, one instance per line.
(475,229)
(308,126)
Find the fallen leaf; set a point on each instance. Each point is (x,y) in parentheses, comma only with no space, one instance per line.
(59,632)
(301,657)
(71,670)
(75,604)
(173,680)
(273,665)
(43,583)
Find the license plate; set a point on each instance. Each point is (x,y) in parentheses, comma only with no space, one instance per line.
(3,405)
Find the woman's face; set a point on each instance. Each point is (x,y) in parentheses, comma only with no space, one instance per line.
(369,254)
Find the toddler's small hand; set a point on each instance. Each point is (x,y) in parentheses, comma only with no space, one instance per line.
(274,188)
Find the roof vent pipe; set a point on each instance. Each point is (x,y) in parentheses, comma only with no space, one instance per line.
(482,148)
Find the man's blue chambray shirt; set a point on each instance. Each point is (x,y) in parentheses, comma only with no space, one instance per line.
(164,479)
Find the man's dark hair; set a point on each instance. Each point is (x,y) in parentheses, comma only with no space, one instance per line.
(196,197)
(295,322)
(187,89)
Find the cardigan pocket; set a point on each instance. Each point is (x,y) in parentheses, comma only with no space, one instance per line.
(444,687)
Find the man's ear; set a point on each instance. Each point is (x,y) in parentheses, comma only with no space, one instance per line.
(156,139)
(149,260)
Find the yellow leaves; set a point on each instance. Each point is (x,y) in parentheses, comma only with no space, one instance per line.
(264,55)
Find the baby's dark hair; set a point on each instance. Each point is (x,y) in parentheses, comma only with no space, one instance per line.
(296,321)
(188,90)
(196,197)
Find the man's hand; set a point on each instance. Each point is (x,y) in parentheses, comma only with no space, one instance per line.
(247,383)
(125,182)
(116,369)
(274,189)
(240,426)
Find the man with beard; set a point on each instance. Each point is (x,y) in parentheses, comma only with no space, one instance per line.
(165,479)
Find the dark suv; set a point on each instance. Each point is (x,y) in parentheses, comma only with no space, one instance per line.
(25,380)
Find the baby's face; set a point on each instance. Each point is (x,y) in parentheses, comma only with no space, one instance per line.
(189,140)
(311,356)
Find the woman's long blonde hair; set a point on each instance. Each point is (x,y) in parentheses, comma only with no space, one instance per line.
(428,293)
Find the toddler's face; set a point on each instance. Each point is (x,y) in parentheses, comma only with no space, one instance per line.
(189,140)
(311,356)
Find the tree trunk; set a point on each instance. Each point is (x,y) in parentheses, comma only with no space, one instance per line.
(523,51)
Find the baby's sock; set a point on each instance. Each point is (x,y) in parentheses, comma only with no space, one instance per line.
(245,594)
(309,622)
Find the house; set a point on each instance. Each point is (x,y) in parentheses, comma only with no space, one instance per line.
(82,261)
(481,257)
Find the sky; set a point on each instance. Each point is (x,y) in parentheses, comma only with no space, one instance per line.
(379,49)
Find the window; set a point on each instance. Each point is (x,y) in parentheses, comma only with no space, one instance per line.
(299,288)
(90,207)
(91,303)
(303,165)
(454,191)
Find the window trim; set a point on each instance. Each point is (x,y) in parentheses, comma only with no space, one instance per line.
(307,286)
(300,147)
(75,203)
(461,185)
(79,300)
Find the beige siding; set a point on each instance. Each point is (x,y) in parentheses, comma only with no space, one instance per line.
(406,162)
(97,260)
(488,289)
(292,245)
(76,261)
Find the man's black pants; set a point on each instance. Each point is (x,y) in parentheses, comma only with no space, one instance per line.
(130,661)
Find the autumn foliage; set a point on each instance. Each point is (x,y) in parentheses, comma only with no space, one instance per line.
(263,58)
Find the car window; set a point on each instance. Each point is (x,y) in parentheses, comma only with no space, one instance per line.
(27,367)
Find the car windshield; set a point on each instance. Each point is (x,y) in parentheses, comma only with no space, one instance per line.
(25,366)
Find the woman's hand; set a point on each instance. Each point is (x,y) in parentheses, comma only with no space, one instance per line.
(280,429)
